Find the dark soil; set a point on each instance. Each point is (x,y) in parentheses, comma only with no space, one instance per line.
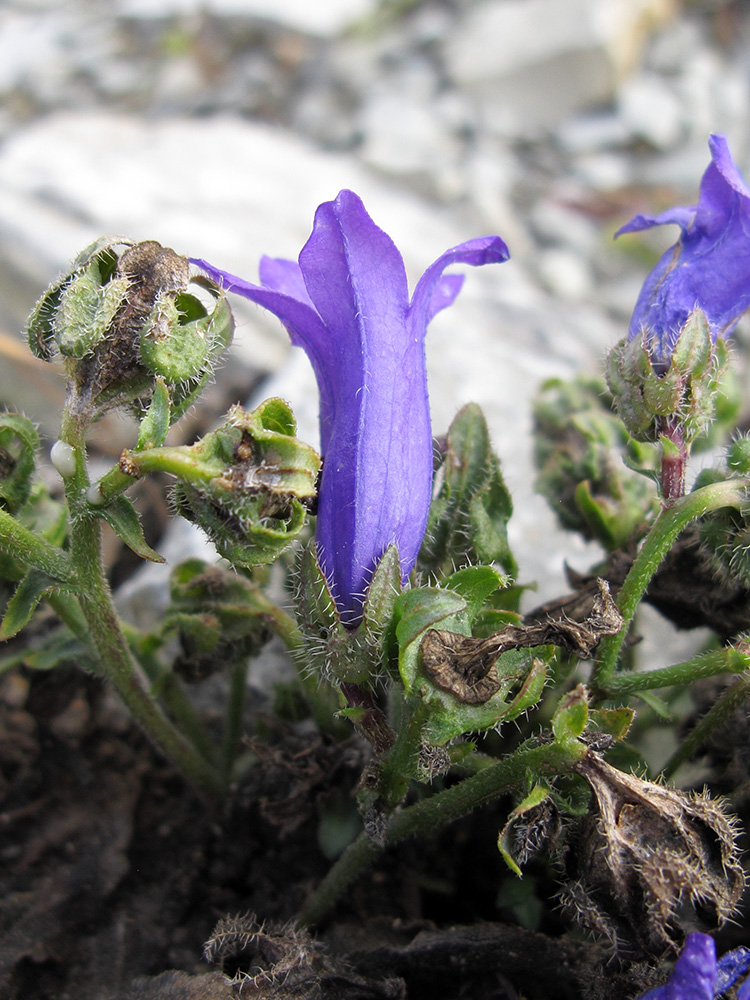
(114,876)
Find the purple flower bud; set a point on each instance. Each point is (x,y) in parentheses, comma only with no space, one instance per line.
(708,267)
(346,303)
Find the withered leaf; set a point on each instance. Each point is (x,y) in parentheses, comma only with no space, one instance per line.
(464,665)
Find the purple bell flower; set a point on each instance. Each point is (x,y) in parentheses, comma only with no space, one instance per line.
(346,303)
(698,976)
(708,267)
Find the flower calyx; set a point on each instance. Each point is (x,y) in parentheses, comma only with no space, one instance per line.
(247,484)
(648,861)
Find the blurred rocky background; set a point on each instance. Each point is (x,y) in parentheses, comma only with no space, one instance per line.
(217,126)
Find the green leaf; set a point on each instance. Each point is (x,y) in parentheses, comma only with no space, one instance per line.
(24,601)
(468,518)
(571,715)
(155,424)
(656,704)
(19,442)
(616,722)
(121,516)
(475,584)
(538,794)
(30,549)
(521,677)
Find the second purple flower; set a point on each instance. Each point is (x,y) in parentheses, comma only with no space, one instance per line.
(346,303)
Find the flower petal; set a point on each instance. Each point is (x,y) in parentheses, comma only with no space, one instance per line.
(709,267)
(694,972)
(284,276)
(484,250)
(731,966)
(680,215)
(377,472)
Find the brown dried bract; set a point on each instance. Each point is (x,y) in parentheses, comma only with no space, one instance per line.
(282,962)
(650,863)
(464,665)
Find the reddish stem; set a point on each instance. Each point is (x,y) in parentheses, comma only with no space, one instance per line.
(672,465)
(372,724)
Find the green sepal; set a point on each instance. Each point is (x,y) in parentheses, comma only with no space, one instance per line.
(571,715)
(41,326)
(88,304)
(613,524)
(157,419)
(122,518)
(538,794)
(343,654)
(468,518)
(383,590)
(25,600)
(215,615)
(688,392)
(19,442)
(171,347)
(218,331)
(242,483)
(580,446)
(521,675)
(316,609)
(475,584)
(242,533)
(615,722)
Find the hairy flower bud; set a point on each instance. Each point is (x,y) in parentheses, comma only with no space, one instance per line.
(649,863)
(246,484)
(683,390)
(121,318)
(579,447)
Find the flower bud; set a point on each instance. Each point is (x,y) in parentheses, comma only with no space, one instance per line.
(650,393)
(123,317)
(649,863)
(246,483)
(580,446)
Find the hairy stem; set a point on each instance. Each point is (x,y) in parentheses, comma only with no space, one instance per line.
(105,634)
(667,526)
(721,661)
(733,698)
(431,814)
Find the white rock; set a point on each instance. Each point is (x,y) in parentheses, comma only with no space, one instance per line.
(532,62)
(565,274)
(319,17)
(651,110)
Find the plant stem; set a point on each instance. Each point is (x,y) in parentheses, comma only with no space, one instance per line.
(673,459)
(166,686)
(105,634)
(234,716)
(431,814)
(732,699)
(720,661)
(667,526)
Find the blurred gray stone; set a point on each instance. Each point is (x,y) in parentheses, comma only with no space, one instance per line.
(651,110)
(320,17)
(530,63)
